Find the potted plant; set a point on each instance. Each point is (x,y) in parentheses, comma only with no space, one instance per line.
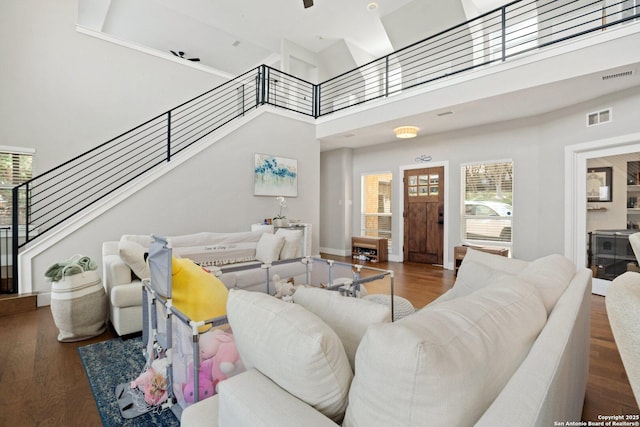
(280,220)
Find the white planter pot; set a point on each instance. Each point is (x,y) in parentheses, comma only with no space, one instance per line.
(280,222)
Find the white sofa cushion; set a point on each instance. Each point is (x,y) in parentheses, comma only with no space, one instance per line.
(348,317)
(269,247)
(293,347)
(446,362)
(292,247)
(251,399)
(131,249)
(551,275)
(496,262)
(479,269)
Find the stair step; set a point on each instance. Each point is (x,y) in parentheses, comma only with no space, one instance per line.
(17,303)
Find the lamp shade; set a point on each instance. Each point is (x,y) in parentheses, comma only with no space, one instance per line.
(406,131)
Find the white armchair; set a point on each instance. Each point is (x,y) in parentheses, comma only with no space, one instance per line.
(124,290)
(623,309)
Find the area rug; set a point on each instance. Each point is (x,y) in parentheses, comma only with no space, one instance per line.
(113,362)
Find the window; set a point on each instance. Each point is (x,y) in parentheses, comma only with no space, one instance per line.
(487,195)
(376,216)
(15,168)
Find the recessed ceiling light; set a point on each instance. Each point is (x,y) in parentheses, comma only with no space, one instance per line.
(372,5)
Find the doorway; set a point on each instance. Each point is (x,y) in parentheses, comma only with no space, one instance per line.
(576,158)
(424,191)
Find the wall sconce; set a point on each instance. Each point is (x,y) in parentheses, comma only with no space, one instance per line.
(406,132)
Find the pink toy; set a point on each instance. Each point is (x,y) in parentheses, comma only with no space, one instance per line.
(206,386)
(211,341)
(153,383)
(226,361)
(221,348)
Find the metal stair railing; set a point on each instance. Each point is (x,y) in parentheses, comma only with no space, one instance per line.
(49,199)
(517,28)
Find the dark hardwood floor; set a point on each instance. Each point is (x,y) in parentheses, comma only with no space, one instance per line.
(42,382)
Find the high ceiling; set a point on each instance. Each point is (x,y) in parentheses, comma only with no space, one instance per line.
(234,36)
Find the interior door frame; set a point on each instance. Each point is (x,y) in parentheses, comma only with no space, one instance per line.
(575,209)
(446,261)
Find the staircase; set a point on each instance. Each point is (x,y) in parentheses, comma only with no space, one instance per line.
(48,201)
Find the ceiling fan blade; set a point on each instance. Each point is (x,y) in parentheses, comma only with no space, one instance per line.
(194,59)
(307,3)
(174,53)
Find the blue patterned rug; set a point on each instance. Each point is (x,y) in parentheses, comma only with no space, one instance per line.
(113,362)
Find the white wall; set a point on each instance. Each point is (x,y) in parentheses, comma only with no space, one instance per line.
(211,192)
(64,92)
(536,146)
(336,201)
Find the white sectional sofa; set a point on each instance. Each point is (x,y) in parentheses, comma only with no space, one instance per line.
(507,345)
(228,255)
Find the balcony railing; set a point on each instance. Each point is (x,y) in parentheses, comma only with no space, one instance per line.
(512,30)
(518,28)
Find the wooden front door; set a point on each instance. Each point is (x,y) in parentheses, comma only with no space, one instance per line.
(424,215)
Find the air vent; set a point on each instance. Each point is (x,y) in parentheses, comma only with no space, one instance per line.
(599,117)
(627,73)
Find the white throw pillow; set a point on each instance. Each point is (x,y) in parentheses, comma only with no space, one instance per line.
(348,317)
(269,247)
(473,276)
(480,269)
(292,247)
(132,251)
(494,261)
(447,362)
(293,347)
(551,275)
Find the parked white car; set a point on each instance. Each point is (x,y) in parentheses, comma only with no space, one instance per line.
(488,221)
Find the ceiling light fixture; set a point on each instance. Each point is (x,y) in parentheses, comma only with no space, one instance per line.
(372,6)
(406,132)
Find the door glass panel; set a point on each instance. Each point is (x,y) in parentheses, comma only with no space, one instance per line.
(413,180)
(413,191)
(424,180)
(424,191)
(434,179)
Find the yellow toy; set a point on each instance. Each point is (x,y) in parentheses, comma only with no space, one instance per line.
(196,292)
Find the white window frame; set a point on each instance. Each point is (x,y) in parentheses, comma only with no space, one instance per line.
(6,149)
(364,214)
(464,217)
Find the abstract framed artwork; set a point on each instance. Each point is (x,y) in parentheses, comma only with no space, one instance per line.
(275,176)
